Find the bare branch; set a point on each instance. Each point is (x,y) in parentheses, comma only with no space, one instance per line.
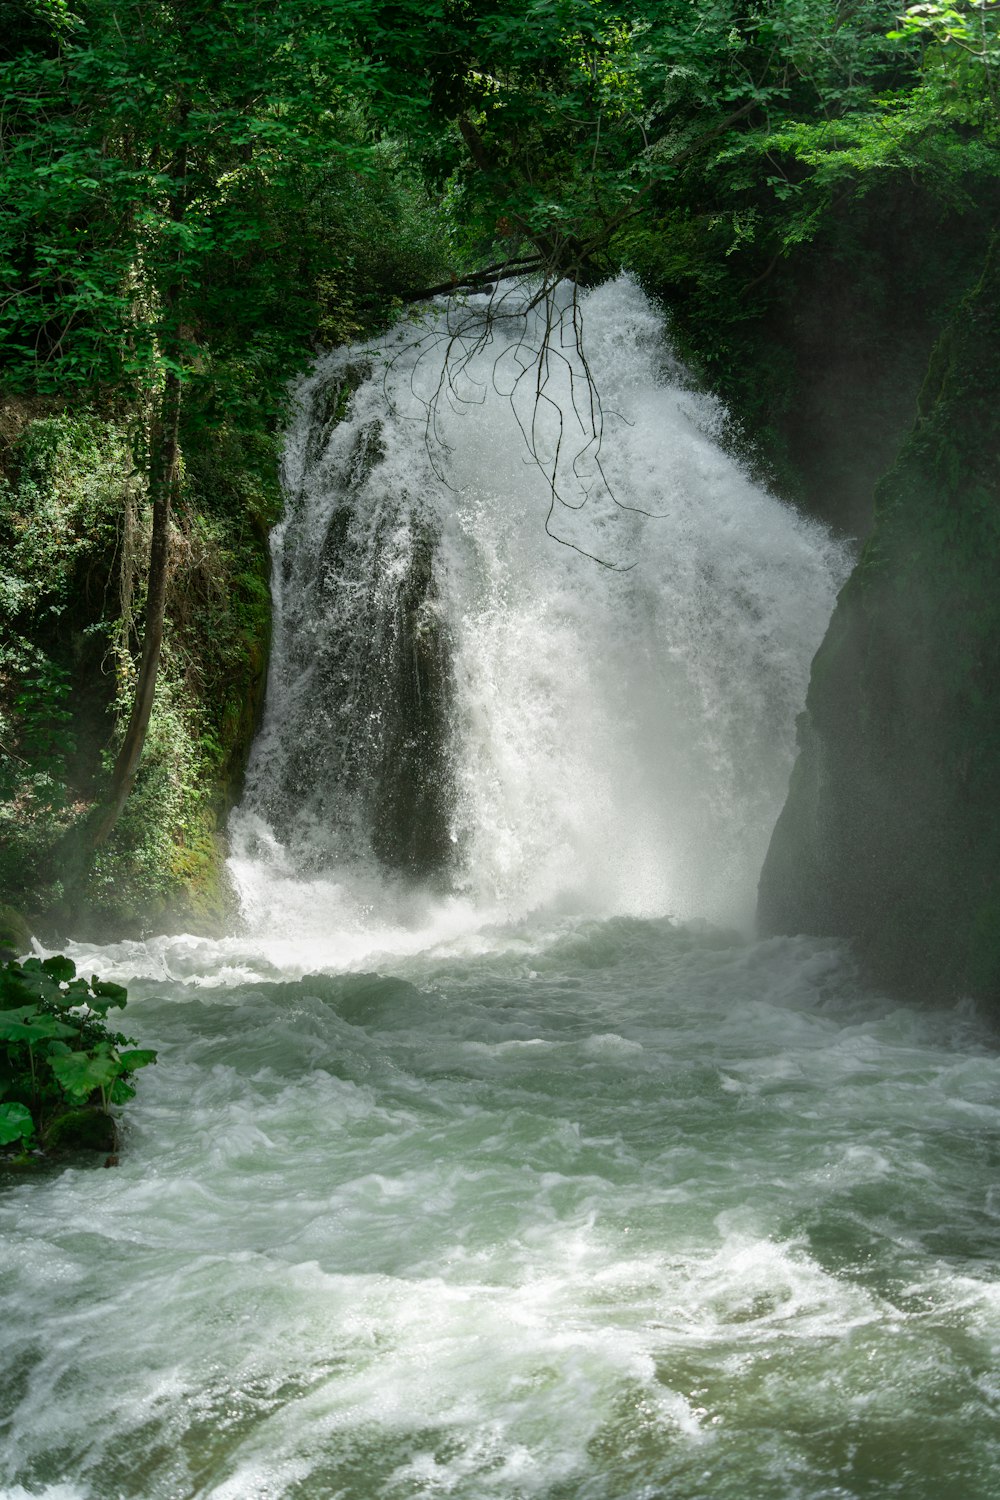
(547,346)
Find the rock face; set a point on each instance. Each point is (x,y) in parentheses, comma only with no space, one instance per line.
(356,746)
(383,706)
(412,775)
(891,832)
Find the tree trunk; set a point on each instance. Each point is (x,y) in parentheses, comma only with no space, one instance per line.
(164,453)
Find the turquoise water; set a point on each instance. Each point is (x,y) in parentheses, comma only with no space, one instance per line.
(611,1210)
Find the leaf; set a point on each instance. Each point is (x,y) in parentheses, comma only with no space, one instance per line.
(14,990)
(140,1057)
(121,1091)
(16,1124)
(30,979)
(18,1013)
(81,1074)
(105,995)
(30,1025)
(59,967)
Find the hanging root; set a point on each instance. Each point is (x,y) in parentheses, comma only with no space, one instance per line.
(548,348)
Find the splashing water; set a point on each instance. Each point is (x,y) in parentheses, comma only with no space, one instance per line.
(482,1162)
(597,739)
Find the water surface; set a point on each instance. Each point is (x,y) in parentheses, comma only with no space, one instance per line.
(605,1209)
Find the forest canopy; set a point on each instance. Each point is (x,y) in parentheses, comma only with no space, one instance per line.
(156,156)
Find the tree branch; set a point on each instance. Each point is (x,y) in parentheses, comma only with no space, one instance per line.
(489,274)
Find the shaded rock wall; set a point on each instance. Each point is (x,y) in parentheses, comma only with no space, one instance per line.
(891,831)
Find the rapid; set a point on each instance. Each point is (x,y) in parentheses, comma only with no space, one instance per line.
(491,1155)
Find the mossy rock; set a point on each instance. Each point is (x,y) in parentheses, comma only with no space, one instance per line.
(15,934)
(87,1129)
(87,1134)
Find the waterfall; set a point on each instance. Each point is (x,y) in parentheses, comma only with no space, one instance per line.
(535,648)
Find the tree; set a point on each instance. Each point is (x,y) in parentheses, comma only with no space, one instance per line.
(147,146)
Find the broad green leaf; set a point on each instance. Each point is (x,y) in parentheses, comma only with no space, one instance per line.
(59,967)
(140,1057)
(81,1073)
(14,988)
(16,1124)
(31,1028)
(106,994)
(19,1013)
(34,980)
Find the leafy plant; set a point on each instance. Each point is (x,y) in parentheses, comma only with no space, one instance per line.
(61,1067)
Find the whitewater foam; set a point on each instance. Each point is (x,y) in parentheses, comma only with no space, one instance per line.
(618,741)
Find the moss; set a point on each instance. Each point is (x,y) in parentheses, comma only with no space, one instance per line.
(88,1129)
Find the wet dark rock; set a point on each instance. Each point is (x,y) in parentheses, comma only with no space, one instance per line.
(891,832)
(365,764)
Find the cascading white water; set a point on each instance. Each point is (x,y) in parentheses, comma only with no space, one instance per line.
(618,704)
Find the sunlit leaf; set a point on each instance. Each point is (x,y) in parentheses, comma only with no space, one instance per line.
(83,1073)
(139,1057)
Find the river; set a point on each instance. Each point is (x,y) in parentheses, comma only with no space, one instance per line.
(537,1177)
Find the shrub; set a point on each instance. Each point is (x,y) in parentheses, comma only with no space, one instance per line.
(61,1067)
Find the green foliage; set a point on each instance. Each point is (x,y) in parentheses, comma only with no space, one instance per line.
(162,854)
(74,538)
(66,487)
(40,704)
(156,156)
(579,115)
(16,1125)
(63,479)
(59,1061)
(963,56)
(158,161)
